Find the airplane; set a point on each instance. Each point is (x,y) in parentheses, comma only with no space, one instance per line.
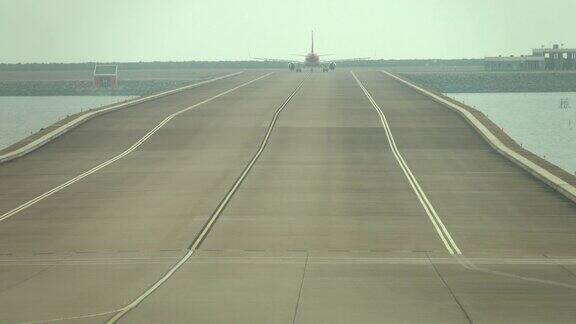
(311,60)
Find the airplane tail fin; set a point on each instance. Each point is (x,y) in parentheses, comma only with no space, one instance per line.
(312,42)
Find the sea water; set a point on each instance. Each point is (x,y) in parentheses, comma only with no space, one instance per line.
(23,116)
(544,123)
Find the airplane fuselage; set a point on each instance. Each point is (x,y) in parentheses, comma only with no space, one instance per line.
(312,60)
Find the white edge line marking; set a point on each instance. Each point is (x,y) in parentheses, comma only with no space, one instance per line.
(555,182)
(124,310)
(46,138)
(121,155)
(430,211)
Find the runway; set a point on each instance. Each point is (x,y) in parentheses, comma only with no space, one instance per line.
(276,197)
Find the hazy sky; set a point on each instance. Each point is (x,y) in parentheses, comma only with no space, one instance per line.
(146,30)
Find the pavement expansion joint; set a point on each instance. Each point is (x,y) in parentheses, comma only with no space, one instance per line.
(354,251)
(364,258)
(315,259)
(297,306)
(101,253)
(97,261)
(562,266)
(348,254)
(451,291)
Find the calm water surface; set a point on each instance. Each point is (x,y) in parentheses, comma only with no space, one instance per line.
(536,120)
(23,116)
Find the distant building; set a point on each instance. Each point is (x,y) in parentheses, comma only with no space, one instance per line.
(557,58)
(554,59)
(514,63)
(105,76)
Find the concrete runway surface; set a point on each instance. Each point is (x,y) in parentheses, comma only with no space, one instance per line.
(300,206)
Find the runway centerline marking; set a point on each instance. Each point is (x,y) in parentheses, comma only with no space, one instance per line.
(442,231)
(213,218)
(121,155)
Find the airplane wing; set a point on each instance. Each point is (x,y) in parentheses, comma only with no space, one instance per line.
(264,59)
(355,59)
